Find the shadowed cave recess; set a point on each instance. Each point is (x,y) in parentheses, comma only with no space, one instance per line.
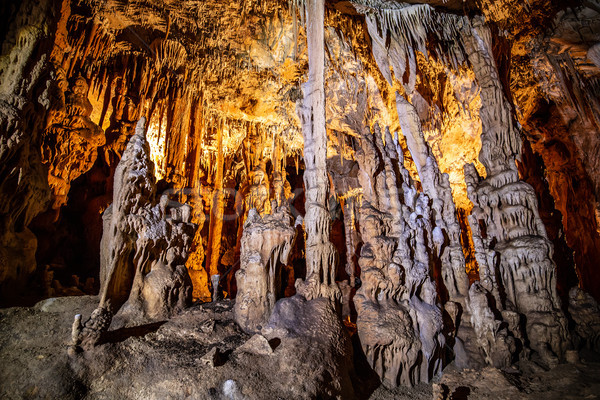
(300,199)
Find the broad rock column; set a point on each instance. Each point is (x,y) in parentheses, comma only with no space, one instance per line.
(507,230)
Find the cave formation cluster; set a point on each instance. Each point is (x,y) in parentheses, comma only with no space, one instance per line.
(420,178)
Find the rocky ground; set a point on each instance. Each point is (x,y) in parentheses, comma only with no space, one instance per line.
(202,354)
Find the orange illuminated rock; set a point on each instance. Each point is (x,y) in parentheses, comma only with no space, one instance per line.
(70,140)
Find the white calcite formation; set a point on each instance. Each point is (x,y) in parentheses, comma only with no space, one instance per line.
(144,247)
(473,319)
(399,322)
(400,30)
(321,255)
(265,246)
(476,334)
(511,245)
(446,232)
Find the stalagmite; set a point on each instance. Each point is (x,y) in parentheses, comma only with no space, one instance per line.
(258,193)
(585,312)
(446,234)
(195,261)
(507,209)
(144,248)
(399,322)
(265,245)
(321,255)
(472,316)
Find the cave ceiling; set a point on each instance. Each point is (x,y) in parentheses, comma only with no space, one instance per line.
(244,62)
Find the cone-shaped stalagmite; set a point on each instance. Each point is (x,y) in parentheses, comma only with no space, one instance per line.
(144,247)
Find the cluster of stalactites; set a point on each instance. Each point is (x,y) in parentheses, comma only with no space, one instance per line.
(163,82)
(409,29)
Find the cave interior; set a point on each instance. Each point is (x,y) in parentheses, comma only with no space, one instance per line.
(300,199)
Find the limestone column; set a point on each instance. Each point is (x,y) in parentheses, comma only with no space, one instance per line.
(437,187)
(320,253)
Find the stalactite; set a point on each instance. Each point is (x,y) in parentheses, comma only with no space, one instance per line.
(411,27)
(216,210)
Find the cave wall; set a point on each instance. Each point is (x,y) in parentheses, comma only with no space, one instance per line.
(25,74)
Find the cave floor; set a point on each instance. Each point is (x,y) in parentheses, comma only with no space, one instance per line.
(168,360)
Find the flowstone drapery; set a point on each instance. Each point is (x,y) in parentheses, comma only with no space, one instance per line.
(70,140)
(143,251)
